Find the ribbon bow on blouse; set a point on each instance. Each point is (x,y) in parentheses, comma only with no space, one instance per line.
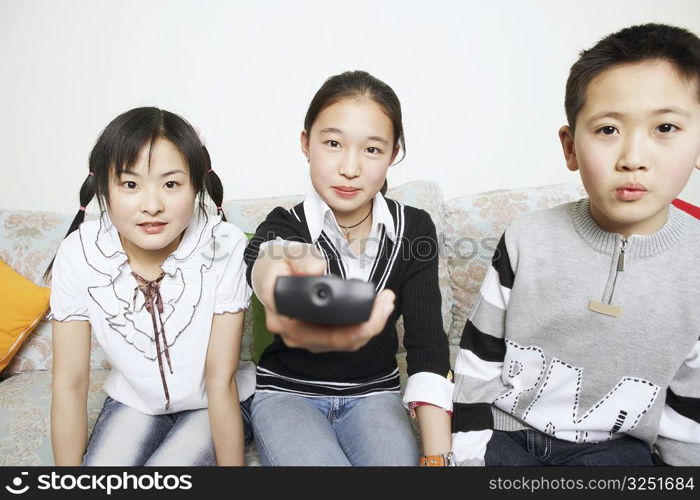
(154,304)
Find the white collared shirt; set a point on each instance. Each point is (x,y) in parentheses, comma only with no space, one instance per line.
(205,275)
(320,218)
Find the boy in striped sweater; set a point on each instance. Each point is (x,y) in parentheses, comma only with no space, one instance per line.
(582,348)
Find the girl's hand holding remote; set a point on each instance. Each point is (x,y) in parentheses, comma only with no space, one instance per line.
(285,258)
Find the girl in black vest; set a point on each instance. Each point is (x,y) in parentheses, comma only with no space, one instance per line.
(331,395)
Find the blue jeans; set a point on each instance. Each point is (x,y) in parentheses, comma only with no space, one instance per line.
(532,447)
(123,436)
(312,431)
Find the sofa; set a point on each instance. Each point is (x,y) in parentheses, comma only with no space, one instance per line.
(468,228)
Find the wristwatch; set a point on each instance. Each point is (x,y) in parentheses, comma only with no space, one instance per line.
(447,460)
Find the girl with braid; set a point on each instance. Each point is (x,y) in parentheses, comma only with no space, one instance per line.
(161,282)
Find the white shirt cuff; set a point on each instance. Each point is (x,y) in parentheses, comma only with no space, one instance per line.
(430,388)
(469,448)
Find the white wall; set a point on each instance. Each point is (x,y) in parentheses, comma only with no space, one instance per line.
(481,83)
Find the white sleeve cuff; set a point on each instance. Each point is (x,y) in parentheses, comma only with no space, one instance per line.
(232,306)
(673,425)
(430,388)
(469,448)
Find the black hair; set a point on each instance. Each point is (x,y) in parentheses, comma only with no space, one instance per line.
(359,85)
(118,148)
(635,44)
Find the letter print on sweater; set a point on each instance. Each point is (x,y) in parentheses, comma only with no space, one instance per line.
(556,407)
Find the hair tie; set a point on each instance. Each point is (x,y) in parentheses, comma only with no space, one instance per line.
(218,208)
(91,173)
(210,170)
(82,209)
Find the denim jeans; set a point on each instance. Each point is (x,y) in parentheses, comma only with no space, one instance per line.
(312,431)
(532,447)
(123,436)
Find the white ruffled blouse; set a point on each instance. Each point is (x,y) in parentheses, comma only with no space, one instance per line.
(205,275)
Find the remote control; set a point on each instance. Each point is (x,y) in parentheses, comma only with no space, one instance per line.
(329,300)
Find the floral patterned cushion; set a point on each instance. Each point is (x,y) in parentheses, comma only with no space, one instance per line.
(475,223)
(248,214)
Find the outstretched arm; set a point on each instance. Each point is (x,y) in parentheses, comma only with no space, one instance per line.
(285,258)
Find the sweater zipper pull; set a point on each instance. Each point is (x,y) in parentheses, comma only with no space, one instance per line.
(621,258)
(609,309)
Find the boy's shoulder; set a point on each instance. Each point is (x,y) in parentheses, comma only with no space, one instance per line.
(560,223)
(690,222)
(549,221)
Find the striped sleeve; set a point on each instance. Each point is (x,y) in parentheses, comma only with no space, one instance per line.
(480,362)
(679,429)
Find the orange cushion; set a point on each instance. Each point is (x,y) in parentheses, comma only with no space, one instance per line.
(22,305)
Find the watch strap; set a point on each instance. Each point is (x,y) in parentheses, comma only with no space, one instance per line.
(437,460)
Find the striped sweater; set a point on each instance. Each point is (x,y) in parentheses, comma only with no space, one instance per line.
(408,266)
(586,336)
